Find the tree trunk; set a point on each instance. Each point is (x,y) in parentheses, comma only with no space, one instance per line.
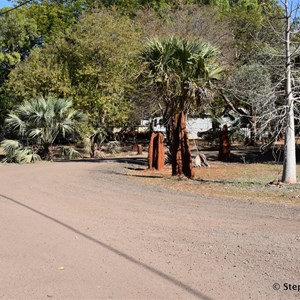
(48,153)
(289,165)
(180,148)
(253,129)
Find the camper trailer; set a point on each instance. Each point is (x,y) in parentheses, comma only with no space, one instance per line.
(195,126)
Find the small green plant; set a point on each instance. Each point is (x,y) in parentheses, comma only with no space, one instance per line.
(15,152)
(67,152)
(41,121)
(113,147)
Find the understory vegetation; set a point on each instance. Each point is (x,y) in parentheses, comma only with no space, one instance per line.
(70,69)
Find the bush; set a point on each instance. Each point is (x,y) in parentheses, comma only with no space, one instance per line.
(15,152)
(113,147)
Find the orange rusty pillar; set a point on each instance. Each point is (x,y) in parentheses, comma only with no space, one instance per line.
(156,153)
(160,152)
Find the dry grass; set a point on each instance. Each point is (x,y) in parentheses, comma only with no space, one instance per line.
(229,180)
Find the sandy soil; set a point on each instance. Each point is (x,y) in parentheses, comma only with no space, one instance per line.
(85,230)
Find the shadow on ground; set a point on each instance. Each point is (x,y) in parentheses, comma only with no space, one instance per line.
(251,155)
(190,290)
(135,160)
(238,155)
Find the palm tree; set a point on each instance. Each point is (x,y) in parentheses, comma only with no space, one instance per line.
(15,152)
(42,120)
(179,73)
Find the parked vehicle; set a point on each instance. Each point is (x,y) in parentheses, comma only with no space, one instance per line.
(195,126)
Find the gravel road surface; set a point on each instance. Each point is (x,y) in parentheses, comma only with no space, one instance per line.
(85,230)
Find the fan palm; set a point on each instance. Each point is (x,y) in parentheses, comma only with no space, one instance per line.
(15,152)
(40,121)
(181,71)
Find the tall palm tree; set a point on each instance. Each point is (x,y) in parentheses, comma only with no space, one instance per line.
(180,72)
(42,120)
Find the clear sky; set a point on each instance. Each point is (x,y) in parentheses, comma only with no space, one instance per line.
(4,3)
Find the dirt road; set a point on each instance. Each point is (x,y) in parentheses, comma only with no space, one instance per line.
(85,230)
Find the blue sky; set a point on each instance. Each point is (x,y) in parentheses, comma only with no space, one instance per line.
(4,3)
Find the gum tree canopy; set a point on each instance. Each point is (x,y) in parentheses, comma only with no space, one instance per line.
(95,63)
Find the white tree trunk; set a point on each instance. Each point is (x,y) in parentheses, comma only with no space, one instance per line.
(289,165)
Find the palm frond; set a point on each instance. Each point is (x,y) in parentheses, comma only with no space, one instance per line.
(43,119)
(16,153)
(69,153)
(10,146)
(171,63)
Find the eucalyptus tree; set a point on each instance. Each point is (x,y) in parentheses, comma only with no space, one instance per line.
(18,35)
(95,63)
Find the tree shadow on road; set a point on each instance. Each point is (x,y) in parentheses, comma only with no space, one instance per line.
(135,160)
(129,258)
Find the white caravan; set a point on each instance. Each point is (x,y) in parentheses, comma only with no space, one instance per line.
(195,126)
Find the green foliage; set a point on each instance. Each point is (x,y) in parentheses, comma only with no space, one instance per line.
(181,71)
(15,152)
(99,135)
(113,147)
(67,152)
(17,36)
(102,64)
(179,58)
(52,16)
(95,63)
(250,22)
(40,74)
(78,49)
(41,121)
